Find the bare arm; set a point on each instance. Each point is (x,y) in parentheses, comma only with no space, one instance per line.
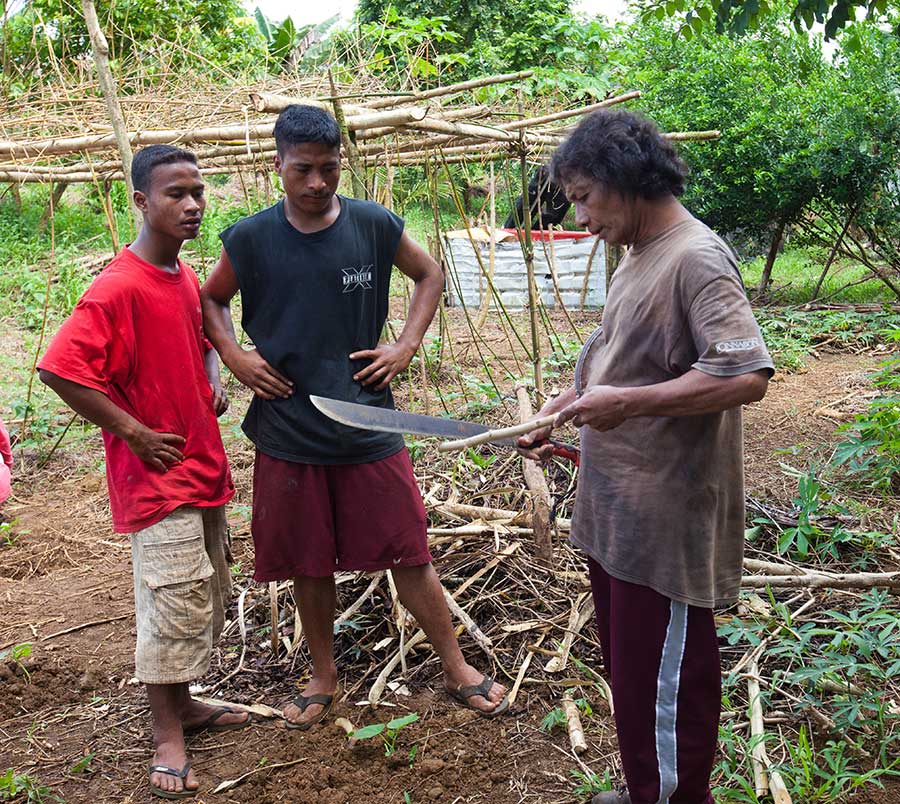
(389,359)
(211,365)
(694,393)
(160,450)
(246,364)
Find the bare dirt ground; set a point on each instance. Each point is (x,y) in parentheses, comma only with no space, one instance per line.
(66,589)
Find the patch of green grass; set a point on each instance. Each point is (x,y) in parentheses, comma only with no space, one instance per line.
(797,270)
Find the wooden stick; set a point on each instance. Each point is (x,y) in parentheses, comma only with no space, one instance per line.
(497,435)
(758,758)
(273,102)
(452,89)
(81,627)
(767,780)
(587,273)
(528,256)
(537,487)
(463,511)
(520,676)
(504,554)
(273,616)
(481,639)
(770,567)
(573,724)
(100,47)
(357,175)
(578,618)
(581,110)
(230,133)
(857,580)
(345,615)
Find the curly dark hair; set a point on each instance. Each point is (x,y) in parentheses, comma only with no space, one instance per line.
(623,151)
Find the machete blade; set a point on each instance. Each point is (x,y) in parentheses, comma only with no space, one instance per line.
(386,420)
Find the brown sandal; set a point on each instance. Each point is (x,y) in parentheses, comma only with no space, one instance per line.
(303,701)
(463,694)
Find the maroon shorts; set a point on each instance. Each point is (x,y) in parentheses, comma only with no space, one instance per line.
(312,520)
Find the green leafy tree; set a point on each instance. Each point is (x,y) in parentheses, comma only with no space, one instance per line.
(798,132)
(466,38)
(215,32)
(739,16)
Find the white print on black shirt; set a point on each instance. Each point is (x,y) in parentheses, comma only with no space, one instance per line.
(744,345)
(357,278)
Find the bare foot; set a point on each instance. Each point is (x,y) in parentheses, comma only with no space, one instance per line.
(196,713)
(172,755)
(325,684)
(467,676)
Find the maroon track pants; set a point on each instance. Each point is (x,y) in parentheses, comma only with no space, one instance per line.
(662,658)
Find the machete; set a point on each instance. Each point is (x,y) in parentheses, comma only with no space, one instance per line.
(386,420)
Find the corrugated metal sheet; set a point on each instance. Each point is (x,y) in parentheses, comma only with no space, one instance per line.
(571,259)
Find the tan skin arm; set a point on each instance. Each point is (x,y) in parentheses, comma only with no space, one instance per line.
(211,365)
(248,365)
(160,450)
(605,407)
(389,359)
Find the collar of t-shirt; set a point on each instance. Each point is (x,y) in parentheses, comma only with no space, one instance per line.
(152,270)
(321,234)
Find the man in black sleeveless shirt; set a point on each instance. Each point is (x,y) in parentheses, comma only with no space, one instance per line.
(314,273)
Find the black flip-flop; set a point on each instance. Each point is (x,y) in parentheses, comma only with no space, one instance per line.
(303,701)
(210,723)
(182,774)
(463,694)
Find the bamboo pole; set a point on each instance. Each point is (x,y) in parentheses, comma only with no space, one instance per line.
(273,102)
(551,262)
(51,270)
(492,251)
(587,274)
(213,134)
(499,434)
(528,253)
(452,89)
(581,110)
(573,723)
(462,113)
(537,487)
(108,86)
(357,176)
(767,779)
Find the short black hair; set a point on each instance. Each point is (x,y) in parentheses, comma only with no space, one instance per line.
(623,151)
(152,156)
(300,123)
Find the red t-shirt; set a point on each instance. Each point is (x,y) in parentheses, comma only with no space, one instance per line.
(136,335)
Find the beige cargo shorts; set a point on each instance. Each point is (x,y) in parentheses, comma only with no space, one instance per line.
(182,587)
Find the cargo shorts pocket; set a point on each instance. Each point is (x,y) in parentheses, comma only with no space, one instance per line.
(177,572)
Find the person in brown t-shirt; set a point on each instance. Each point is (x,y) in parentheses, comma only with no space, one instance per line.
(660,504)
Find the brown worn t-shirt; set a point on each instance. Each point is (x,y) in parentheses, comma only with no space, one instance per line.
(660,499)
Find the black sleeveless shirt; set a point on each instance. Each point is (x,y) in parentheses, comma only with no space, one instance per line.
(308,302)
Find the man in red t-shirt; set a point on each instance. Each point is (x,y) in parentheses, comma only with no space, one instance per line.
(132,358)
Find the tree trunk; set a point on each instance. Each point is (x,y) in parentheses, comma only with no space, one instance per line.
(52,204)
(357,175)
(770,258)
(108,86)
(834,251)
